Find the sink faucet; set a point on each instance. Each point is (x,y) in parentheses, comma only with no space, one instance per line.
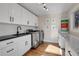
(18,27)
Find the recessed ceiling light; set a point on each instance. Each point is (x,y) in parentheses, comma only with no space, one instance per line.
(44,7)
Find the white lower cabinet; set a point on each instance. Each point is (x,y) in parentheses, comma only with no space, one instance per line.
(8,47)
(15,47)
(66,49)
(7,43)
(61,41)
(24,44)
(27,43)
(69,51)
(9,50)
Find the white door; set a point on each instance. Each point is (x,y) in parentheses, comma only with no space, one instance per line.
(4,13)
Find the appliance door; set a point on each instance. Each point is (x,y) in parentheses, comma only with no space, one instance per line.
(41,36)
(35,38)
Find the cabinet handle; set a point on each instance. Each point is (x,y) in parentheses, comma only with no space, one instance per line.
(26,43)
(9,42)
(13,19)
(10,50)
(10,18)
(35,24)
(27,22)
(70,53)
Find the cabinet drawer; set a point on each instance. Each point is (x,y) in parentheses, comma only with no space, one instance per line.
(7,43)
(8,51)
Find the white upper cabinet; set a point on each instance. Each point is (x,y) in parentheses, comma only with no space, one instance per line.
(32,19)
(15,14)
(4,13)
(10,13)
(35,21)
(24,44)
(25,17)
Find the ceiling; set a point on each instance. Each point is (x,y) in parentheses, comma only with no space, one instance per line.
(53,8)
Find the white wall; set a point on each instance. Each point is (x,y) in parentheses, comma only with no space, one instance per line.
(7,29)
(45,23)
(64,15)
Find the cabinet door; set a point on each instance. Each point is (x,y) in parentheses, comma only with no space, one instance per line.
(16,13)
(28,43)
(31,19)
(0,52)
(61,41)
(24,44)
(25,17)
(21,45)
(67,49)
(36,21)
(4,13)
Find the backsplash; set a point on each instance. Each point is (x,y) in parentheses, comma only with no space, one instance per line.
(7,29)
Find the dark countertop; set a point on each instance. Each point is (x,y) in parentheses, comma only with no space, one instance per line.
(7,37)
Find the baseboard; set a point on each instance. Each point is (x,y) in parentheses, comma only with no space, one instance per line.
(50,42)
